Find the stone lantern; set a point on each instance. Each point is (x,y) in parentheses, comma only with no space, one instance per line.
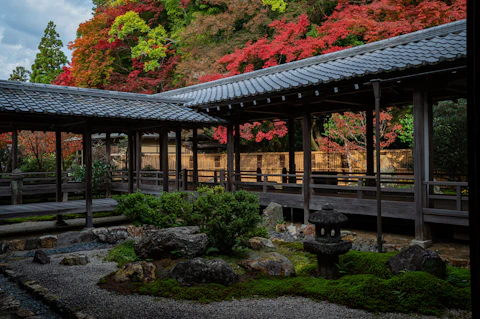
(328,244)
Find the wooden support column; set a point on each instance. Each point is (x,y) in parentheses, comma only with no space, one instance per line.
(420,165)
(369,141)
(307,162)
(160,150)
(131,162)
(58,174)
(195,157)
(164,155)
(87,150)
(377,92)
(237,152)
(291,149)
(178,158)
(14,149)
(230,157)
(138,158)
(108,161)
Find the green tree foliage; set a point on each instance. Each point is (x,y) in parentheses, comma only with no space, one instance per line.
(20,74)
(50,60)
(450,138)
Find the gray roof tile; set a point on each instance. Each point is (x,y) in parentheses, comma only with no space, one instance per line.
(425,47)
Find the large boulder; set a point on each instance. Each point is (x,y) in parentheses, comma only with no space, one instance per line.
(260,243)
(41,257)
(171,243)
(48,241)
(272,264)
(272,215)
(201,271)
(416,258)
(136,272)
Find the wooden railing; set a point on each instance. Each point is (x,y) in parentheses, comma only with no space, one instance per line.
(440,203)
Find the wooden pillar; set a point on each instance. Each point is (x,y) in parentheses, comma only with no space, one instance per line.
(164,155)
(230,157)
(58,174)
(377,92)
(108,161)
(131,162)
(307,162)
(160,150)
(291,149)
(421,167)
(178,158)
(14,149)
(138,158)
(369,141)
(237,152)
(87,150)
(195,157)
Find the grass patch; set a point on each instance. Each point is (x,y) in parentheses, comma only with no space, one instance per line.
(459,277)
(47,218)
(122,254)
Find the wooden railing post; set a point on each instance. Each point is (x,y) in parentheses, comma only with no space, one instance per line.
(265,180)
(459,197)
(222,177)
(184,179)
(284,178)
(259,177)
(360,192)
(16,186)
(215,178)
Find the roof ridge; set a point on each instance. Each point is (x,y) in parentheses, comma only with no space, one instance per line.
(441,30)
(90,92)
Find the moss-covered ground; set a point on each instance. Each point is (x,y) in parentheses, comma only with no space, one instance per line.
(366,283)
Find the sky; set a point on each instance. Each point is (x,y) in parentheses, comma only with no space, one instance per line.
(22,25)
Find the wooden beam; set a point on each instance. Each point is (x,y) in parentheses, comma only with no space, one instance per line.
(164,155)
(377,91)
(87,149)
(58,174)
(14,149)
(178,157)
(369,141)
(195,157)
(138,158)
(230,157)
(419,162)
(108,161)
(307,162)
(237,151)
(291,148)
(131,161)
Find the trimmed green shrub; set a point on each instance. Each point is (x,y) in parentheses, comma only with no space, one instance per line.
(178,204)
(227,217)
(355,263)
(144,209)
(101,180)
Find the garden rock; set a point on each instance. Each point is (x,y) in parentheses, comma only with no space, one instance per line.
(32,243)
(272,215)
(48,241)
(136,272)
(17,244)
(281,228)
(416,258)
(111,235)
(201,271)
(273,264)
(134,231)
(3,247)
(309,230)
(292,229)
(74,260)
(172,243)
(41,257)
(260,243)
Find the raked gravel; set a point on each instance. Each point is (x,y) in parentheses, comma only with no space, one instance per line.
(77,287)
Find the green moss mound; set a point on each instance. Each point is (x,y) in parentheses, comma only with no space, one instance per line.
(356,263)
(122,253)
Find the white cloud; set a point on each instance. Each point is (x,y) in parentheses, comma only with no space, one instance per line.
(22,24)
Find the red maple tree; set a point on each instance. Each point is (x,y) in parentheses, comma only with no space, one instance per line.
(255,131)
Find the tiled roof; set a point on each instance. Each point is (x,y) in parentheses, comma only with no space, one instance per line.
(57,100)
(426,47)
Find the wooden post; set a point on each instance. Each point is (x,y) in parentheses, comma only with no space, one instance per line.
(108,161)
(237,152)
(377,92)
(230,157)
(164,155)
(307,162)
(369,142)
(421,162)
(195,157)
(58,174)
(14,149)
(16,186)
(291,149)
(131,162)
(138,159)
(87,149)
(184,179)
(178,158)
